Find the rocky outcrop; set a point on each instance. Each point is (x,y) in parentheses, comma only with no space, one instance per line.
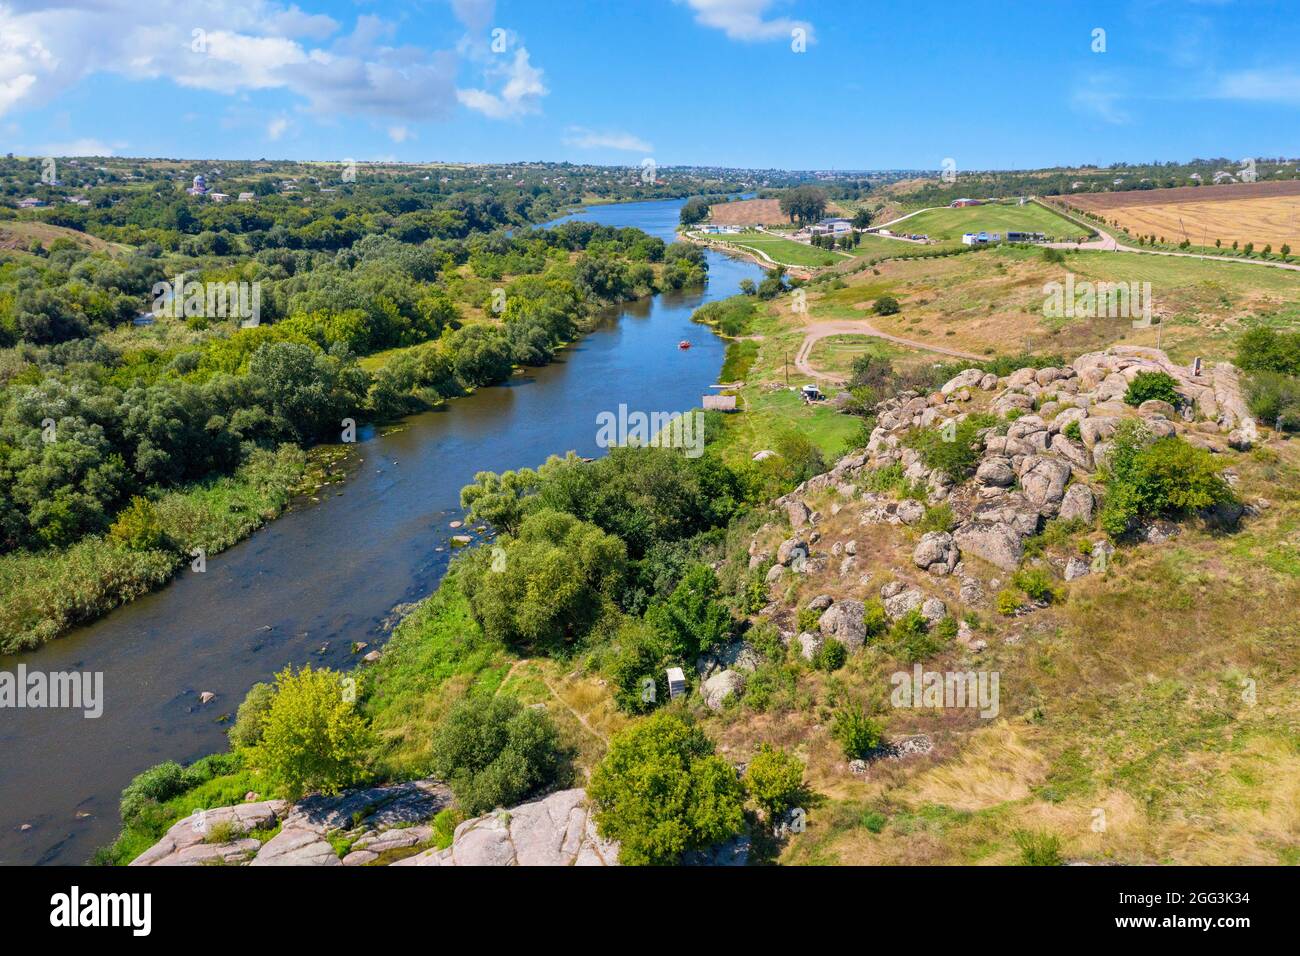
(557,830)
(936,552)
(371,821)
(843,621)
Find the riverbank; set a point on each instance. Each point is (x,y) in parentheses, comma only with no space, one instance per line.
(318,580)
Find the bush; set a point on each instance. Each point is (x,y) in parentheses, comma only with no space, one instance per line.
(953,449)
(137,526)
(1164,478)
(1152,385)
(1073,432)
(911,637)
(1036,583)
(1274,398)
(313,737)
(1038,849)
(660,791)
(247,728)
(886,305)
(494,752)
(937,518)
(774,780)
(856,733)
(1008,602)
(807,619)
(830,656)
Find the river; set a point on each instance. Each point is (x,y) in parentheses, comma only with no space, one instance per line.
(330,573)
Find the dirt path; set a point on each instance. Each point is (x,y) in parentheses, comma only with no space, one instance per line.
(554,693)
(820,330)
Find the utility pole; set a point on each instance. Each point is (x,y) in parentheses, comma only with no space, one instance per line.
(787,368)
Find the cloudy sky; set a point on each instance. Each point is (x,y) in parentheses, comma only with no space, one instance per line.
(808,84)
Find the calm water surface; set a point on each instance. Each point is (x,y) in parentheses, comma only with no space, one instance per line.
(328,574)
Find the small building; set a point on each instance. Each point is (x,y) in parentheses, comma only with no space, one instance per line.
(31,202)
(1026,237)
(247,197)
(811,393)
(144,318)
(959,203)
(676,682)
(719,403)
(218,197)
(832,226)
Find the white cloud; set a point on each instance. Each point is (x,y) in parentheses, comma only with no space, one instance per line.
(521,89)
(82,147)
(399,134)
(584,138)
(743,19)
(275,129)
(236,46)
(1263,86)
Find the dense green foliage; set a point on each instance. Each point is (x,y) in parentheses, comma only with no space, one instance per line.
(313,736)
(660,791)
(494,752)
(774,780)
(1151,479)
(1152,385)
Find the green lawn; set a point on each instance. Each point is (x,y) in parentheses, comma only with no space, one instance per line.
(952,223)
(785,251)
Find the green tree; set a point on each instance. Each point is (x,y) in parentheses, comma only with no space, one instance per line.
(494,752)
(774,780)
(660,791)
(313,737)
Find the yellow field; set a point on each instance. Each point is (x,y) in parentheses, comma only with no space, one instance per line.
(1274,219)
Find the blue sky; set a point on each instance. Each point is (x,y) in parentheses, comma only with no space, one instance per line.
(997,84)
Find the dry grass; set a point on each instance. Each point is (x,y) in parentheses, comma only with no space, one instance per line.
(1261,221)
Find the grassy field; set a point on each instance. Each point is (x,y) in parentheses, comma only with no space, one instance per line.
(785,251)
(952,223)
(992,302)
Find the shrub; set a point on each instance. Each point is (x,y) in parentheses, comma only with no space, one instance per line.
(1164,478)
(807,619)
(1151,385)
(1008,602)
(313,737)
(1274,398)
(1073,432)
(155,785)
(937,518)
(137,526)
(911,637)
(874,619)
(886,305)
(494,752)
(953,449)
(1038,849)
(1036,583)
(830,656)
(247,728)
(774,780)
(856,733)
(444,826)
(660,791)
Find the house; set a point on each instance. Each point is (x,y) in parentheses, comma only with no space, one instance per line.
(831,225)
(246,197)
(676,682)
(719,403)
(715,229)
(960,203)
(218,197)
(31,202)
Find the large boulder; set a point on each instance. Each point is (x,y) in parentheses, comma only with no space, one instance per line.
(844,622)
(1077,504)
(1043,481)
(995,472)
(999,544)
(903,602)
(936,552)
(557,830)
(720,686)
